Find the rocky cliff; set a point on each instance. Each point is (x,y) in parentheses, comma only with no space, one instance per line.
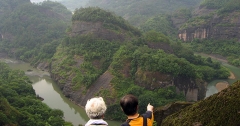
(194,90)
(81,94)
(97,29)
(212,25)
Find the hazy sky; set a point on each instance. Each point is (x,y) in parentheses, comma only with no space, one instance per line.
(37,1)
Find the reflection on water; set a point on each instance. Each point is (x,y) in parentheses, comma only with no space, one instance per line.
(56,100)
(53,97)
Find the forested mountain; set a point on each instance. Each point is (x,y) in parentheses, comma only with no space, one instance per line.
(31,32)
(214,29)
(137,12)
(104,55)
(19,105)
(100,53)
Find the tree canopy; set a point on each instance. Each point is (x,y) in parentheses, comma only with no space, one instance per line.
(19,104)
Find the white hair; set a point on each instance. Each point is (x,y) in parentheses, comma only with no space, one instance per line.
(95,108)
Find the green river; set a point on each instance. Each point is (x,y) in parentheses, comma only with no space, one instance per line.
(211,86)
(53,97)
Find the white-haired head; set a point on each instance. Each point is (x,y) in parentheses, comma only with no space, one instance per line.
(95,108)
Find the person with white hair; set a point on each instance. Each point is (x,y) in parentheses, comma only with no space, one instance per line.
(95,109)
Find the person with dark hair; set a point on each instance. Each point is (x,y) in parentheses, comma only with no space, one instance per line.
(129,105)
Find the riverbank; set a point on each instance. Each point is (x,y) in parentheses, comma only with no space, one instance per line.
(232,76)
(51,94)
(222,85)
(214,56)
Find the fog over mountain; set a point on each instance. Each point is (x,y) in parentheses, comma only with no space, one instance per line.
(70,4)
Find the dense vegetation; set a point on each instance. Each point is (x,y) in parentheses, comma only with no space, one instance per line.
(83,58)
(226,48)
(96,53)
(80,60)
(143,59)
(19,104)
(160,23)
(137,12)
(223,5)
(109,20)
(211,111)
(31,31)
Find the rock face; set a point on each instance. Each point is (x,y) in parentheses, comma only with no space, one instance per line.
(97,29)
(153,80)
(217,27)
(81,96)
(194,90)
(44,66)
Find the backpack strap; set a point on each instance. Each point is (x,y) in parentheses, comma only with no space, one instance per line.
(144,121)
(126,123)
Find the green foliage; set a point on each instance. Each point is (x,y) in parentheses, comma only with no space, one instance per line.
(227,48)
(19,104)
(183,13)
(95,56)
(58,8)
(137,11)
(214,109)
(153,36)
(160,23)
(109,20)
(223,6)
(197,21)
(214,4)
(30,28)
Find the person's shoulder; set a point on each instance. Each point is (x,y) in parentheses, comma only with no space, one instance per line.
(125,124)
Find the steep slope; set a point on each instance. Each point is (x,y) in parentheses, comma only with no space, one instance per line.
(19,105)
(137,12)
(87,52)
(216,20)
(30,32)
(221,109)
(102,55)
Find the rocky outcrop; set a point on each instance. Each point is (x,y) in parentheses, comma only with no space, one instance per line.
(81,95)
(217,27)
(194,90)
(44,66)
(96,29)
(194,33)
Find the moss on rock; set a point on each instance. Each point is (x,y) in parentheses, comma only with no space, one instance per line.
(221,109)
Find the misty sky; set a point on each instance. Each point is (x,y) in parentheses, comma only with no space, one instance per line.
(37,1)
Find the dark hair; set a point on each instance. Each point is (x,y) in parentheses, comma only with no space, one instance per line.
(129,104)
